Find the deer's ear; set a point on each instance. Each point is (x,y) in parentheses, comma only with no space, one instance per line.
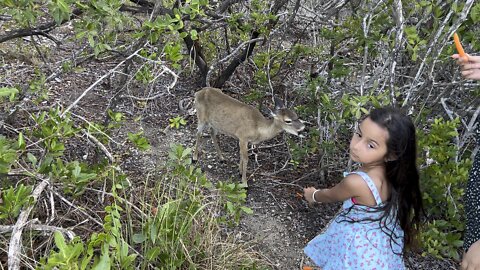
(278,104)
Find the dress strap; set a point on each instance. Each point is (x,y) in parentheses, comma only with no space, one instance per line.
(371,185)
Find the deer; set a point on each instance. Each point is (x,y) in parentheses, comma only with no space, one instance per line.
(229,116)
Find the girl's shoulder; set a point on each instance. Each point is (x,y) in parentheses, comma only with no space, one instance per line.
(376,182)
(376,176)
(366,189)
(356,180)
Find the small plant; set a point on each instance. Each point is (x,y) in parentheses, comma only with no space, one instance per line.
(37,87)
(13,199)
(116,117)
(74,175)
(68,255)
(177,122)
(233,197)
(54,129)
(67,66)
(8,154)
(105,250)
(145,75)
(173,53)
(139,140)
(8,92)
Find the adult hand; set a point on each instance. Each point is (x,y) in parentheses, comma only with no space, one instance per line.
(470,67)
(471,259)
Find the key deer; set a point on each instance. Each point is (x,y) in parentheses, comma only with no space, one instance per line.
(226,115)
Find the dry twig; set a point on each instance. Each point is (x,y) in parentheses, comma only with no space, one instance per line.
(15,246)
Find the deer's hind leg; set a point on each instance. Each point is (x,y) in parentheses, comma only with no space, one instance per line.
(201,126)
(243,160)
(213,134)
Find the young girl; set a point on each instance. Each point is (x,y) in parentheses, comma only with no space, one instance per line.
(382,203)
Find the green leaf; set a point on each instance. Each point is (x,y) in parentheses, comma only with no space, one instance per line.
(8,91)
(475,13)
(139,238)
(153,253)
(194,34)
(60,242)
(247,210)
(32,159)
(21,141)
(186,152)
(104,262)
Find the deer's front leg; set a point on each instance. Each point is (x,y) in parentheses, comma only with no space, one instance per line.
(243,160)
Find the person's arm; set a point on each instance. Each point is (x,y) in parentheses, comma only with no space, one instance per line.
(471,259)
(351,186)
(470,68)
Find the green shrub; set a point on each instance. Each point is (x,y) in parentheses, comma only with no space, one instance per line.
(443,175)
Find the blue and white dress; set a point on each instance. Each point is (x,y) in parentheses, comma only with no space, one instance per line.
(351,241)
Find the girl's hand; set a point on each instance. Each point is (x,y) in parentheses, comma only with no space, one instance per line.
(308,194)
(471,259)
(470,68)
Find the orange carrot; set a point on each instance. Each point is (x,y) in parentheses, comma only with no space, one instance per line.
(459,47)
(307,267)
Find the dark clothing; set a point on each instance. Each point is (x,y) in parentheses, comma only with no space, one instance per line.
(472,199)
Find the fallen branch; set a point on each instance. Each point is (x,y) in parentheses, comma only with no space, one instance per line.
(99,145)
(15,245)
(39,227)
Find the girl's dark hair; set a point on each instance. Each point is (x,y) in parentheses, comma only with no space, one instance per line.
(401,170)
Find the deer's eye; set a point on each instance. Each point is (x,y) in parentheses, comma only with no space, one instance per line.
(288,121)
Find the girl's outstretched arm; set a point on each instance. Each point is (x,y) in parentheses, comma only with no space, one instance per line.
(470,68)
(351,186)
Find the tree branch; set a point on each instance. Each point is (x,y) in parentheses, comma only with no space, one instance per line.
(39,30)
(15,245)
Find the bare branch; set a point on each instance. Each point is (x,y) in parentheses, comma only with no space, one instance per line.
(39,30)
(15,245)
(39,227)
(238,59)
(399,21)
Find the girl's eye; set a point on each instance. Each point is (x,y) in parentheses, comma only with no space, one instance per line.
(358,134)
(371,146)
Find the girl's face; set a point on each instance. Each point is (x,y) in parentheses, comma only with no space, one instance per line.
(369,143)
